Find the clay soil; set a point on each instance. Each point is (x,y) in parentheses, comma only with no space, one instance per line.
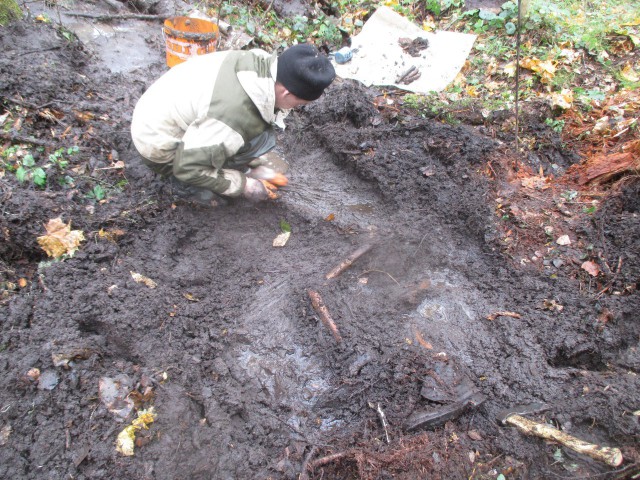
(246,380)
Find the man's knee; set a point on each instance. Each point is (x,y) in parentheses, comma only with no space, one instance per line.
(164,169)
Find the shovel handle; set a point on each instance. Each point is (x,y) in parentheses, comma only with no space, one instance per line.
(608,455)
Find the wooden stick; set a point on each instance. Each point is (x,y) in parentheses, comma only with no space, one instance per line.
(493,316)
(118,16)
(328,459)
(348,261)
(610,456)
(321,310)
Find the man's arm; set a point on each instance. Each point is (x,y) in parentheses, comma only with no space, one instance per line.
(200,157)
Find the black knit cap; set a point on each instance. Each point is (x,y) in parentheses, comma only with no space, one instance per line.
(304,71)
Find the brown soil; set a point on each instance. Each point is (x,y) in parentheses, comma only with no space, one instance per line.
(246,381)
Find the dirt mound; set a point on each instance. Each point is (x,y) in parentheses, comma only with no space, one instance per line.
(193,311)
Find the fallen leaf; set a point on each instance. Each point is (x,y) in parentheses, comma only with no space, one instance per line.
(591,268)
(125,443)
(545,69)
(190,297)
(330,218)
(552,305)
(5,433)
(474,435)
(628,73)
(111,235)
(22,282)
(60,239)
(282,239)
(562,100)
(142,279)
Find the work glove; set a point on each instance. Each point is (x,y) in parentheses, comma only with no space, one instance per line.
(259,190)
(270,175)
(270,167)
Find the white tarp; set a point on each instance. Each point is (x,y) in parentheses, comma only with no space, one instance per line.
(380,60)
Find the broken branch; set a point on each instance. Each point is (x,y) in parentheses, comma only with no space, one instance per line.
(323,313)
(348,261)
(120,16)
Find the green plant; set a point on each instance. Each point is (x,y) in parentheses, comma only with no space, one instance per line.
(28,170)
(556,125)
(97,193)
(58,158)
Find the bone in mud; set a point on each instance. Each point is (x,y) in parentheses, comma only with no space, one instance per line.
(610,456)
(323,313)
(348,261)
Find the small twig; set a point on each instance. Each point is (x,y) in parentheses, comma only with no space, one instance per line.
(328,459)
(348,261)
(32,141)
(383,420)
(119,16)
(323,313)
(493,316)
(406,73)
(613,279)
(305,465)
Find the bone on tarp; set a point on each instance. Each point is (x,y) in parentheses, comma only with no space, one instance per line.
(408,75)
(513,417)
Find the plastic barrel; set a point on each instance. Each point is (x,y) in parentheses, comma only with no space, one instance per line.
(187,37)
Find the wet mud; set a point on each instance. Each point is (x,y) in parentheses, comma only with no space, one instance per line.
(245,377)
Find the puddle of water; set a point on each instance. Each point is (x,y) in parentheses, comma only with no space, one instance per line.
(121,49)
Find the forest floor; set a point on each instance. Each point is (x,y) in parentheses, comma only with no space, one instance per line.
(485,283)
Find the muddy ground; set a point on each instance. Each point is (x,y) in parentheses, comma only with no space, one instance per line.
(245,379)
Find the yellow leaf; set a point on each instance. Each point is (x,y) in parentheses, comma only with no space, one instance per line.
(628,73)
(545,69)
(125,442)
(562,100)
(60,239)
(510,69)
(472,91)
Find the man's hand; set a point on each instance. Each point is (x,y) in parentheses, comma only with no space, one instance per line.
(258,190)
(269,174)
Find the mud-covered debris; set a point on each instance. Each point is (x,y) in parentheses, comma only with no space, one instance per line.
(48,380)
(552,305)
(414,46)
(139,278)
(63,359)
(5,433)
(33,374)
(114,394)
(439,416)
(60,239)
(125,443)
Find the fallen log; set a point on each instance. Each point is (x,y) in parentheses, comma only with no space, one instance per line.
(323,313)
(348,261)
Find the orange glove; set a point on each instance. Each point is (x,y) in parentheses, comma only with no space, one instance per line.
(269,174)
(258,190)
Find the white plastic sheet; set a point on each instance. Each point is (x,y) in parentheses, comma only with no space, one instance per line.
(380,60)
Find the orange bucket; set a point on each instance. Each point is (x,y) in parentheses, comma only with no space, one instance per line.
(187,37)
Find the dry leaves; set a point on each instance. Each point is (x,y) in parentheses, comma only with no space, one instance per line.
(591,268)
(60,239)
(125,442)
